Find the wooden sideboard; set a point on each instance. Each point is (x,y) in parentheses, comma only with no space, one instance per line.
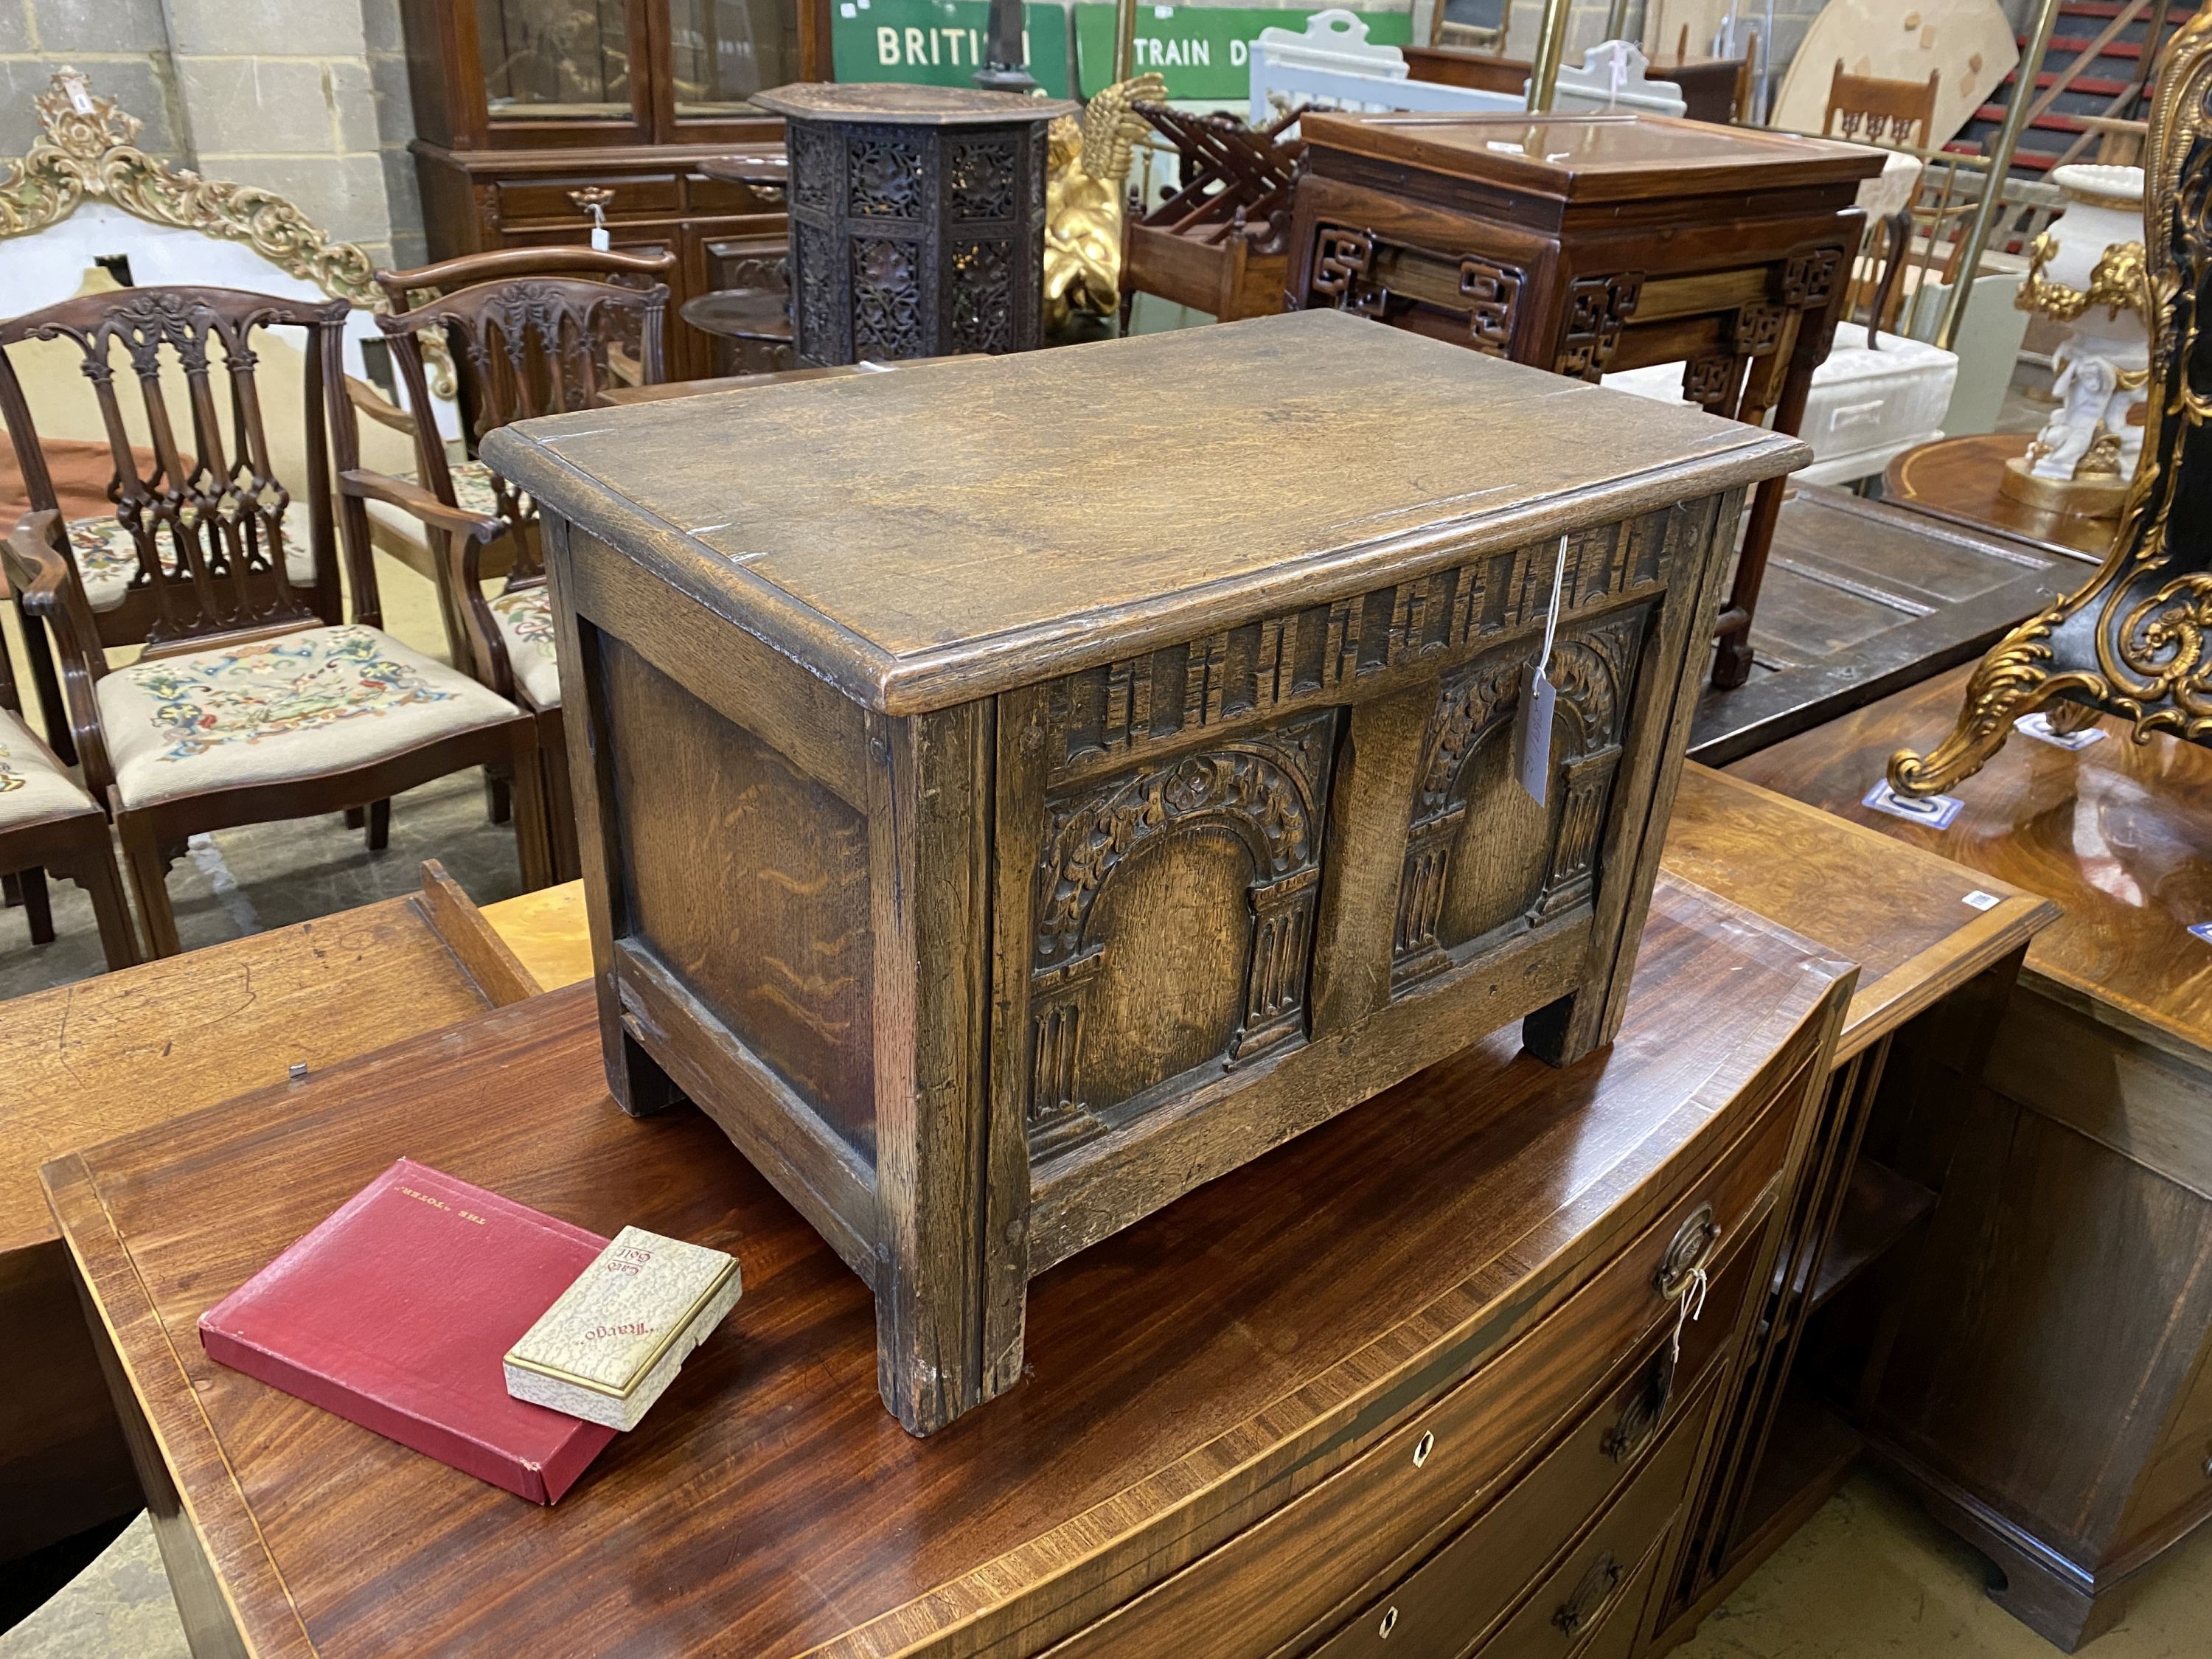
(126,1050)
(1581,243)
(656,198)
(2050,1391)
(1407,1373)
(1939,946)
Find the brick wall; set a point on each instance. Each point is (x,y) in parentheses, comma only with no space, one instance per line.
(308,98)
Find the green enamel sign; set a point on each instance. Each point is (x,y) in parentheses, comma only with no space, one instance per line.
(1203,51)
(940,43)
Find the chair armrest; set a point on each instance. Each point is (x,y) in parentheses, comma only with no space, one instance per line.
(46,586)
(372,402)
(461,569)
(412,498)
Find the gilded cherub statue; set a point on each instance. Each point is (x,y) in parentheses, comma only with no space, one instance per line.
(1086,178)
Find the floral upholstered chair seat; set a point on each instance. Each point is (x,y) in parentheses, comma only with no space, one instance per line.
(31,786)
(323,700)
(524,617)
(107,558)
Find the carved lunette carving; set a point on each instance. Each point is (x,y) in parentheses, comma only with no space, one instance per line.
(1310,656)
(88,147)
(1593,671)
(1267,789)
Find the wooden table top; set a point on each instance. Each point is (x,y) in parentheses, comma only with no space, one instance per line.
(120,1052)
(1956,478)
(1903,914)
(1595,157)
(1422,455)
(769,1504)
(2114,833)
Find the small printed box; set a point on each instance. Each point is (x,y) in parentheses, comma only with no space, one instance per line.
(615,1339)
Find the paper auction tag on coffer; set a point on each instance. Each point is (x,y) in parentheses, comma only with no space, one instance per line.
(1532,737)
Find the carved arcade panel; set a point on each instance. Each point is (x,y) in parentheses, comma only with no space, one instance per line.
(1481,855)
(1316,655)
(1174,921)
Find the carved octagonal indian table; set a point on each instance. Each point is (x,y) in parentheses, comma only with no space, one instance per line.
(1589,242)
(917,219)
(1001,834)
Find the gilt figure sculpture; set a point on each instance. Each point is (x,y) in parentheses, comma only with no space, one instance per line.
(1086,180)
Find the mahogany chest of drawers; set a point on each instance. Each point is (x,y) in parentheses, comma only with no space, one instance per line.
(1014,792)
(1410,1373)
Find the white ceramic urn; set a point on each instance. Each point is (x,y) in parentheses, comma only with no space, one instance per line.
(2093,253)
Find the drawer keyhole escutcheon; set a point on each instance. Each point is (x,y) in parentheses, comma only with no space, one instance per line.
(1390,1623)
(1423,1447)
(1580,1610)
(1692,1248)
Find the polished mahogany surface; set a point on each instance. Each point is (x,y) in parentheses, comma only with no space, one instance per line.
(1591,158)
(1260,1325)
(2115,833)
(1919,925)
(1956,478)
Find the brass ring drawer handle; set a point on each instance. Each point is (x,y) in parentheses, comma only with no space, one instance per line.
(1692,1249)
(1423,1447)
(1599,1584)
(1390,1623)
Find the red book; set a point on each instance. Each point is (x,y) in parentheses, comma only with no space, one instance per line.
(395,1314)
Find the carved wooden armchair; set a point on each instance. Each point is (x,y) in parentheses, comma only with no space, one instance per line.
(2131,640)
(48,823)
(529,339)
(246,704)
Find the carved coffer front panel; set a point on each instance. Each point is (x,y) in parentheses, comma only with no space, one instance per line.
(749,880)
(1483,860)
(1175,913)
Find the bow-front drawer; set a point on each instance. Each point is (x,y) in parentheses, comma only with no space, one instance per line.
(1595,1581)
(1458,1591)
(1286,1578)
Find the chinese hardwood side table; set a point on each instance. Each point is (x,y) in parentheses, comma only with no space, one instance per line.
(917,219)
(1000,842)
(1584,243)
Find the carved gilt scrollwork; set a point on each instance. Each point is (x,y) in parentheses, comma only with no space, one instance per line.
(1266,790)
(89,148)
(2130,641)
(1593,672)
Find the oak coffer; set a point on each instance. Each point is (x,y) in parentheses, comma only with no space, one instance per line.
(1014,792)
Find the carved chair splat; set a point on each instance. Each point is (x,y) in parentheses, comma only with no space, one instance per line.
(533,331)
(251,700)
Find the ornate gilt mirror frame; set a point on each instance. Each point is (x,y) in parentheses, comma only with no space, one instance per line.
(2130,641)
(89,149)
